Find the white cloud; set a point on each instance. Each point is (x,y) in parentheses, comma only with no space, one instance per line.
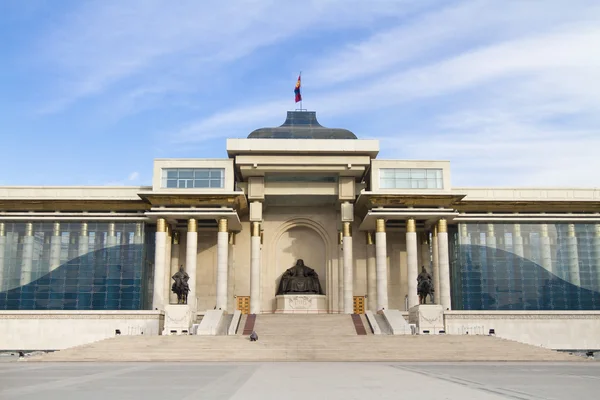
(104,42)
(134,176)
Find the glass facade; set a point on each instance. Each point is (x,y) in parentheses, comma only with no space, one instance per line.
(75,266)
(186,178)
(410,178)
(553,266)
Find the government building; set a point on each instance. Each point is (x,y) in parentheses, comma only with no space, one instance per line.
(79,263)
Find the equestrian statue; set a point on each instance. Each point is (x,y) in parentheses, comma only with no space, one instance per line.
(424,286)
(181,286)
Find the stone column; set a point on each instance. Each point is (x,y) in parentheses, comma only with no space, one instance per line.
(381,264)
(84,241)
(596,245)
(490,240)
(464,235)
(546,250)
(444,264)
(573,256)
(340,272)
(425,257)
(436,264)
(174,262)
(27,258)
(138,237)
(255,268)
(2,251)
(222,263)
(412,261)
(167,274)
(111,239)
(348,270)
(371,273)
(517,240)
(158,300)
(55,244)
(191,254)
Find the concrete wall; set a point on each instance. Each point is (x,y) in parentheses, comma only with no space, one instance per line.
(560,330)
(55,330)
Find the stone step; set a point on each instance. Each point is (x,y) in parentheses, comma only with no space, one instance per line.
(317,348)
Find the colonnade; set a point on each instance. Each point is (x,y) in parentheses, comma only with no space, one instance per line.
(377,265)
(166,263)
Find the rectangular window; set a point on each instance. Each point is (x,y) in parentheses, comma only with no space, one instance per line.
(410,178)
(197,178)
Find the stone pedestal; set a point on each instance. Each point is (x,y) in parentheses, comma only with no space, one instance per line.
(178,319)
(301,304)
(429,318)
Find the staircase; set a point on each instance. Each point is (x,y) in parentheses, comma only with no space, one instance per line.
(323,337)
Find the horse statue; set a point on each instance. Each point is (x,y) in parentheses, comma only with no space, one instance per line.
(424,286)
(181,286)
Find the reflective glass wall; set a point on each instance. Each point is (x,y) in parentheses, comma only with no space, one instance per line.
(75,266)
(525,266)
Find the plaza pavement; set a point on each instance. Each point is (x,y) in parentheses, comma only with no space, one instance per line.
(264,381)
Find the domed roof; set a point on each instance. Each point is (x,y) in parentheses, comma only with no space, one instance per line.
(301,125)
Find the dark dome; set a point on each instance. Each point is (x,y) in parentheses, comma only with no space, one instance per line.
(301,125)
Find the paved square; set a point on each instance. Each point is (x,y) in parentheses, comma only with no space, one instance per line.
(248,381)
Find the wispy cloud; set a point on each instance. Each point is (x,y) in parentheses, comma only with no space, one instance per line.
(104,42)
(515,106)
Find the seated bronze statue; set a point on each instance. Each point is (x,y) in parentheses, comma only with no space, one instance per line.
(299,279)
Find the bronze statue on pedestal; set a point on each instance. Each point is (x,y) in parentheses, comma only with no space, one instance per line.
(181,286)
(299,279)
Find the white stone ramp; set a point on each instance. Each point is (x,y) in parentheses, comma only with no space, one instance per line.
(397,323)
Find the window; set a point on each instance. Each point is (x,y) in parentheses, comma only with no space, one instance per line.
(188,178)
(410,178)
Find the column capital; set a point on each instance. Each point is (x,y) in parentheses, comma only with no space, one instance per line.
(347,229)
(490,230)
(223,226)
(84,229)
(29,229)
(192,225)
(56,229)
(255,229)
(176,237)
(161,225)
(380,225)
(2,229)
(340,237)
(442,225)
(411,226)
(517,229)
(544,230)
(369,237)
(571,230)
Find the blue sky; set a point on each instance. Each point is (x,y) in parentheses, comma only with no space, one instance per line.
(93,91)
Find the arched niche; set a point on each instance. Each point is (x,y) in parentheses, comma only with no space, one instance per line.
(298,239)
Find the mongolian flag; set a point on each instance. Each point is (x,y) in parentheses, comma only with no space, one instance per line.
(297,90)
